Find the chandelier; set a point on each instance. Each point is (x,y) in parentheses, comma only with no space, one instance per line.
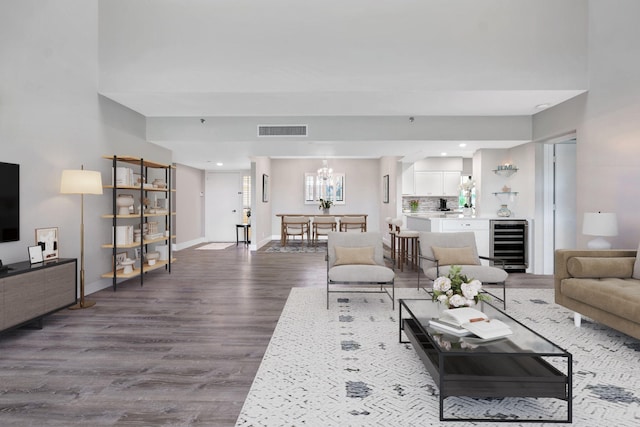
(325,171)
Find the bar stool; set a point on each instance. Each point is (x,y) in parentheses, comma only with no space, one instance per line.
(407,246)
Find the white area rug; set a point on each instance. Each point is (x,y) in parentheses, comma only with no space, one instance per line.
(215,246)
(345,367)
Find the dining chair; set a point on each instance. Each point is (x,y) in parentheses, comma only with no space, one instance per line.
(296,226)
(321,226)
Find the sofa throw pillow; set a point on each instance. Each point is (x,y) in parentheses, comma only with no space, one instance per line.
(455,256)
(597,267)
(636,266)
(361,255)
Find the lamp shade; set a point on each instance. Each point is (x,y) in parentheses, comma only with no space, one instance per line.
(80,181)
(600,224)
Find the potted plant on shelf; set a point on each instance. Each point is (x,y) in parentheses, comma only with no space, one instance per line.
(325,205)
(413,204)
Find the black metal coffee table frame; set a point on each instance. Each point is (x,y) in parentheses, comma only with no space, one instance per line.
(492,370)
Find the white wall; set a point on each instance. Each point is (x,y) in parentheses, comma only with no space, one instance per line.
(189,196)
(393,167)
(51,119)
(606,121)
(363,194)
(261,212)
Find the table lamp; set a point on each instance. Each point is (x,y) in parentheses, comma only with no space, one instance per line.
(599,224)
(81,182)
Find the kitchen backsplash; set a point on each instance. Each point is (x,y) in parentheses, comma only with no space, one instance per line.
(426,204)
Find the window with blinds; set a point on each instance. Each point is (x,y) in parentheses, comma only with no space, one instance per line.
(246,198)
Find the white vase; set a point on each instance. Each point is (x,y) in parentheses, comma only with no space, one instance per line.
(124,202)
(504,211)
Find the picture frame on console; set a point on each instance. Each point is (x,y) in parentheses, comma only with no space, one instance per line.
(47,239)
(35,254)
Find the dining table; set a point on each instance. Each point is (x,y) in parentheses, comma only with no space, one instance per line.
(282,229)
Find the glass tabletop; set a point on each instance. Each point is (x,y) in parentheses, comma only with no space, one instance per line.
(522,341)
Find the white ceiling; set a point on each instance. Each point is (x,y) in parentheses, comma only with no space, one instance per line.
(283,61)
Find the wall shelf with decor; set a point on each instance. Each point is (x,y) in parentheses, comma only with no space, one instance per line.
(507,193)
(141,216)
(505,170)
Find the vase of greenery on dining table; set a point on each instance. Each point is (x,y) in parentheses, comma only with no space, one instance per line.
(325,206)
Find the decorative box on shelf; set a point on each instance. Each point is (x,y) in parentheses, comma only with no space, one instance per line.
(124,235)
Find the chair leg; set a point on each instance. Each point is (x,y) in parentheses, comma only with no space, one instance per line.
(327,294)
(393,296)
(504,296)
(577,319)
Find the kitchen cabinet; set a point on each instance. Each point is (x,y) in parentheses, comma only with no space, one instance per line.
(408,187)
(479,227)
(450,183)
(437,183)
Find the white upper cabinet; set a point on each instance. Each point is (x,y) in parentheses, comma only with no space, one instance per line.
(437,183)
(408,186)
(428,183)
(450,183)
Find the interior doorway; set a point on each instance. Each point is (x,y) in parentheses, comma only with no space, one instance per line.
(560,214)
(223,206)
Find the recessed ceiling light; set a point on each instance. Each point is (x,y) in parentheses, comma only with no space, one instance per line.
(542,106)
(463,145)
(219,164)
(443,154)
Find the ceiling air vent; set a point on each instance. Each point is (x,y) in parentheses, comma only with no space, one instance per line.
(282,130)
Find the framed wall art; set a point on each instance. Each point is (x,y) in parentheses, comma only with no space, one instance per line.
(47,239)
(265,187)
(385,189)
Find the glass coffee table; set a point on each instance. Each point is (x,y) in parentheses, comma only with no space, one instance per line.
(521,365)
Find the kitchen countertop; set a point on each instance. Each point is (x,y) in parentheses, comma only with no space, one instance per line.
(454,215)
(434,214)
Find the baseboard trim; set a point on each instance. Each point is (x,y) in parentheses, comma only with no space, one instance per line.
(188,244)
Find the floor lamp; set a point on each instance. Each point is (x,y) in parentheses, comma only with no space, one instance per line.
(81,182)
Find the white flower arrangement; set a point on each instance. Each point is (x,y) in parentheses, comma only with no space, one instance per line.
(467,188)
(456,290)
(468,185)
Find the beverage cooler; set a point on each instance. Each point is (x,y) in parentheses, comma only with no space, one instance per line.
(509,242)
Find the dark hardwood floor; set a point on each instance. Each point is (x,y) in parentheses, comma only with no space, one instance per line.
(181,350)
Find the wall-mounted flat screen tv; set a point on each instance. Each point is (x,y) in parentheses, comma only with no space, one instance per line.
(9,202)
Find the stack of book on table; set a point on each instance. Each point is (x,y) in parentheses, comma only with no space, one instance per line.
(469,321)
